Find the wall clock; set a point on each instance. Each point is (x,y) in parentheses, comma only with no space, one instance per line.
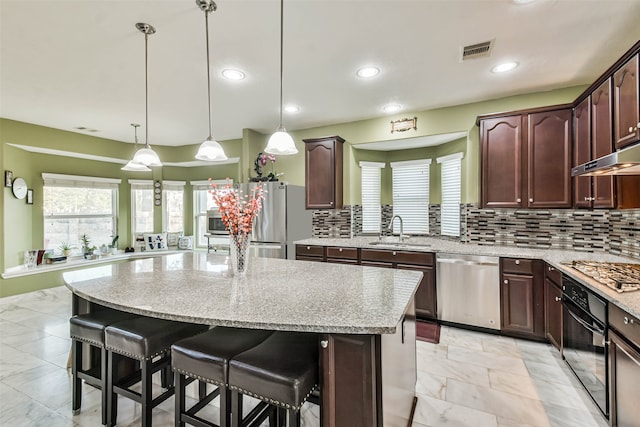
(19,188)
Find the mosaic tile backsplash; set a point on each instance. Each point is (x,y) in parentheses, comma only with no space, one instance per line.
(617,232)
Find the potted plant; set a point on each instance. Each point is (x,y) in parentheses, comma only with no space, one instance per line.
(87,249)
(66,248)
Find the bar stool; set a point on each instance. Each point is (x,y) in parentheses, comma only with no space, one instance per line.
(281,371)
(89,328)
(205,357)
(143,339)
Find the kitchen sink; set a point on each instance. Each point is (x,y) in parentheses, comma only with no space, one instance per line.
(401,245)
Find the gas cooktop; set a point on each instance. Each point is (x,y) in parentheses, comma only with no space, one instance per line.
(619,276)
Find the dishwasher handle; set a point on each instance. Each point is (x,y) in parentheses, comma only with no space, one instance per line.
(464,262)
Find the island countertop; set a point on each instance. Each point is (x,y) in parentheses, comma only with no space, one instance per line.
(275,294)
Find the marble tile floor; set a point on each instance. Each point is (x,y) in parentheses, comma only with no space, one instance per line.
(470,379)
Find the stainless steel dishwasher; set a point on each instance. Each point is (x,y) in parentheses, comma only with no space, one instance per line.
(468,289)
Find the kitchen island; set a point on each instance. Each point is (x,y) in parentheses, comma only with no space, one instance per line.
(364,317)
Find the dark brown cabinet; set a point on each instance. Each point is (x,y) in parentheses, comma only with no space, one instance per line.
(419,261)
(582,191)
(310,253)
(624,367)
(553,305)
(522,297)
(340,255)
(626,104)
(529,169)
(323,172)
(602,144)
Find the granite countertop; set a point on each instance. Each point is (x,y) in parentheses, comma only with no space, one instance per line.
(628,301)
(275,294)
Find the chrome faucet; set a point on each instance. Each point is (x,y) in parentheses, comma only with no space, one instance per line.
(401,226)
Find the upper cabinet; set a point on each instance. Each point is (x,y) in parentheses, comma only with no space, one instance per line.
(323,172)
(626,104)
(532,168)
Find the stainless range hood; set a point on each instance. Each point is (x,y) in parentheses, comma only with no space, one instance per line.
(622,162)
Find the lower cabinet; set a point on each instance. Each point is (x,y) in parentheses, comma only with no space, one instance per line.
(553,305)
(341,255)
(418,261)
(522,297)
(310,253)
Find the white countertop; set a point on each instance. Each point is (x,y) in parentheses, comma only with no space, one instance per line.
(628,301)
(275,294)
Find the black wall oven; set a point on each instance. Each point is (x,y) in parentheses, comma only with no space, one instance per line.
(584,339)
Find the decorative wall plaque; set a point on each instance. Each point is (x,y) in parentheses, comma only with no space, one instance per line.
(404,125)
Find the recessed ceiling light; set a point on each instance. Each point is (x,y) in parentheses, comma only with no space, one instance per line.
(232,74)
(392,108)
(504,67)
(292,109)
(368,72)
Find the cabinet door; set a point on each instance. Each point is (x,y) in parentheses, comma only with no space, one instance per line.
(517,303)
(501,141)
(348,383)
(426,294)
(626,104)
(582,153)
(553,312)
(602,143)
(624,377)
(323,173)
(549,159)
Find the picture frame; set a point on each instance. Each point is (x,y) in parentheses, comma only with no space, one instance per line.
(8,178)
(404,125)
(30,196)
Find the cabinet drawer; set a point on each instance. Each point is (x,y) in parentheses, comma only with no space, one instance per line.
(310,251)
(404,257)
(517,265)
(626,324)
(553,274)
(344,253)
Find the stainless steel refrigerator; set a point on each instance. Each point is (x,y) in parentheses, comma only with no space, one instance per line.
(282,220)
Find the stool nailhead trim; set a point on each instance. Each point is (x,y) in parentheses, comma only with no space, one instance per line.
(137,356)
(94,343)
(271,401)
(198,377)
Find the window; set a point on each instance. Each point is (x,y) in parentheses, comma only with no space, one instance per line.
(411,195)
(202,202)
(77,205)
(141,206)
(371,207)
(451,169)
(173,206)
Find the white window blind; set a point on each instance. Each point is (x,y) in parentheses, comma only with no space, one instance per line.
(173,206)
(141,206)
(411,195)
(451,170)
(371,208)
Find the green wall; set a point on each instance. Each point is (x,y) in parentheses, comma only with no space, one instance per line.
(22,225)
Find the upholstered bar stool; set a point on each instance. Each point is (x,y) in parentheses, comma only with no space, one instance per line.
(89,328)
(205,357)
(281,371)
(148,341)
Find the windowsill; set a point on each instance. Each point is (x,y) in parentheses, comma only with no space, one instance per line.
(79,261)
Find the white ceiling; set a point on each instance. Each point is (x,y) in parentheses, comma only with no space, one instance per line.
(65,64)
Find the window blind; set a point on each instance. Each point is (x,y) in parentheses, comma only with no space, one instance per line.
(451,170)
(59,180)
(141,184)
(371,208)
(411,195)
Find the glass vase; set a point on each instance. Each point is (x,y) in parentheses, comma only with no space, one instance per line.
(239,252)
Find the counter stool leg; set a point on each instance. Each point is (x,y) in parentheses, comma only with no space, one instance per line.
(225,406)
(103,383)
(76,363)
(202,390)
(181,400)
(146,393)
(236,408)
(294,418)
(112,398)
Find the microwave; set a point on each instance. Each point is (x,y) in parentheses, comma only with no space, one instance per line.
(215,224)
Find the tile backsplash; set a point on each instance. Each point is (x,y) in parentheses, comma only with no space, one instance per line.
(617,232)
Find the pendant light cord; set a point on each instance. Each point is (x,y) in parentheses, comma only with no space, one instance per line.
(206,21)
(281,55)
(146,89)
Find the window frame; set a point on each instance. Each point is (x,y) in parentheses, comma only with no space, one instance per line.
(200,240)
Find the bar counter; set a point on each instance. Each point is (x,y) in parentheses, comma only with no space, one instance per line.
(364,317)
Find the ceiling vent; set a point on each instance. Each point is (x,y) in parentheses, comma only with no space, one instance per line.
(478,50)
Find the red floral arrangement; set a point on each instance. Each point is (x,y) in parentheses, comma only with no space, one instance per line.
(237,210)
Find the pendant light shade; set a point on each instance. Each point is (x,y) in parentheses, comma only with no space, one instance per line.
(281,142)
(134,166)
(146,156)
(210,150)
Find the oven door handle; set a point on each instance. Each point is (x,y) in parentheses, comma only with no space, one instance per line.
(583,323)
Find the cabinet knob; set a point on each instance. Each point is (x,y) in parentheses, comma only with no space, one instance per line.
(517,262)
(630,129)
(394,253)
(340,250)
(531,200)
(558,299)
(324,343)
(331,203)
(586,199)
(505,281)
(518,200)
(551,268)
(308,248)
(627,320)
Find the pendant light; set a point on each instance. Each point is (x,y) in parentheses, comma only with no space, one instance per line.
(210,150)
(281,142)
(133,166)
(146,155)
